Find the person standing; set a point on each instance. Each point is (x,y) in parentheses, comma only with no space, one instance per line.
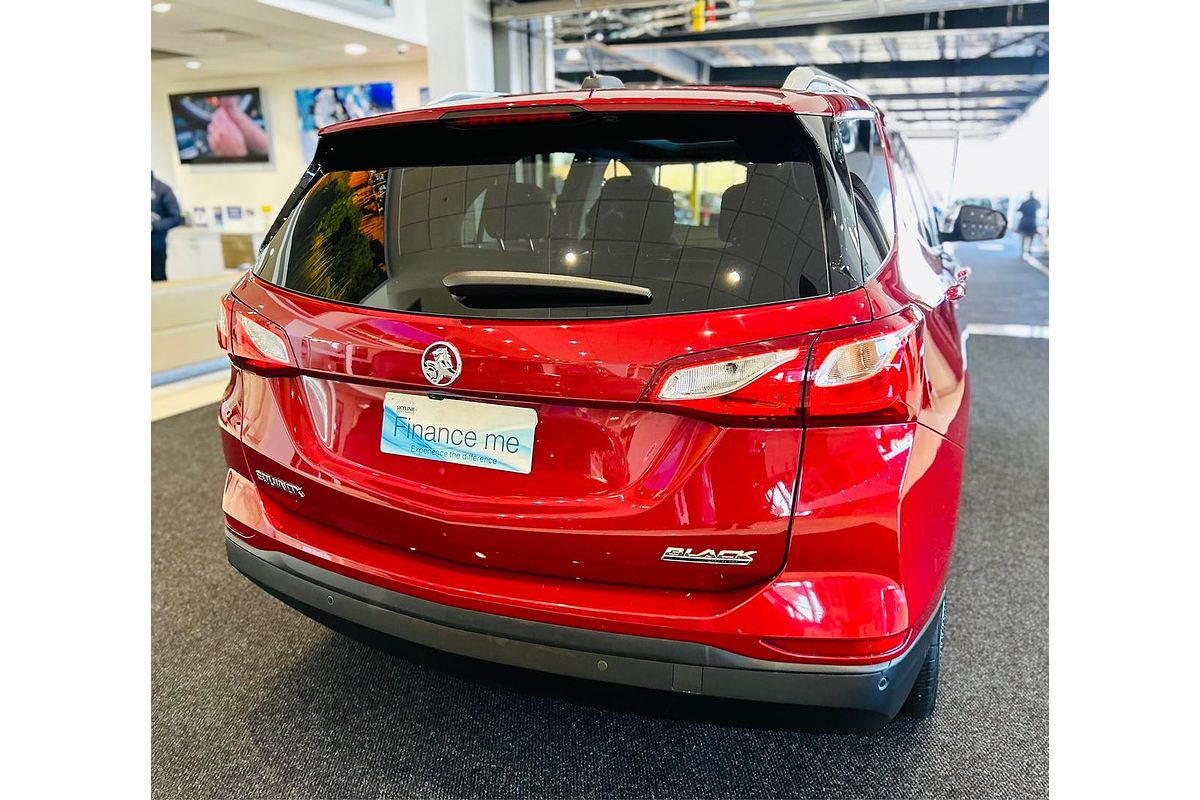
(164,215)
(1027,224)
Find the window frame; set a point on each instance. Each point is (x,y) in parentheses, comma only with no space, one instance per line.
(875,139)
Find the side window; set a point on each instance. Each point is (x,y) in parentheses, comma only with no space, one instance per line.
(926,219)
(872,190)
(908,212)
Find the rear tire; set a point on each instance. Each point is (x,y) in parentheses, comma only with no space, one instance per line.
(923,697)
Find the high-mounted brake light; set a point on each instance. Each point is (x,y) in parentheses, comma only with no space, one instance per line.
(511,116)
(257,341)
(867,373)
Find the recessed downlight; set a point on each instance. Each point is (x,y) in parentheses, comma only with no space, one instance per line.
(160,8)
(192,64)
(355,49)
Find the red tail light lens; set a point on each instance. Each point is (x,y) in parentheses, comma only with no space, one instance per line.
(867,372)
(256,341)
(513,116)
(764,380)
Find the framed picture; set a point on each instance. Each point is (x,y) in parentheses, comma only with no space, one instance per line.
(220,127)
(325,105)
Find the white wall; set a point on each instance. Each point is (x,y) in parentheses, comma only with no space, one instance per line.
(460,34)
(268,184)
(1009,165)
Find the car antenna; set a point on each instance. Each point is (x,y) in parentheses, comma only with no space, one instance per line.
(587,40)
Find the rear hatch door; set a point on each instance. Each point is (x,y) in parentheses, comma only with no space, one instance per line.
(448,404)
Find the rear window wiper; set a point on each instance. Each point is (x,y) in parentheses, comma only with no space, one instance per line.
(498,289)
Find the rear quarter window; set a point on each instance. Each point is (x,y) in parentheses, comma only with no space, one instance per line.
(872,191)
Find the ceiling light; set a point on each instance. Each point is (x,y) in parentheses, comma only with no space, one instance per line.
(355,49)
(820,41)
(160,8)
(573,54)
(192,64)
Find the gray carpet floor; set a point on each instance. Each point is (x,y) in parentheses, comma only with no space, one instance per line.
(252,699)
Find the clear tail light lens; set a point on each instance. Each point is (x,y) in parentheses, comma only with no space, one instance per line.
(862,374)
(763,380)
(858,361)
(867,373)
(721,377)
(256,341)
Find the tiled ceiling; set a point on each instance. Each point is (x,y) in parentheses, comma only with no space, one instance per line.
(242,36)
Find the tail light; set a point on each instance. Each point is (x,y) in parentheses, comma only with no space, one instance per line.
(223,314)
(764,380)
(257,342)
(864,373)
(868,372)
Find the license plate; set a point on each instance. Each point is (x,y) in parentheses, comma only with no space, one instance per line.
(459,432)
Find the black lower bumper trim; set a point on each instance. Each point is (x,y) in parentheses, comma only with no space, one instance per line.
(617,658)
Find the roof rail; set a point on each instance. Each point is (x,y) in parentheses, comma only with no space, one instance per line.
(600,81)
(454,98)
(811,79)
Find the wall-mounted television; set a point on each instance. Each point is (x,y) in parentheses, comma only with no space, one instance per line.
(325,105)
(220,127)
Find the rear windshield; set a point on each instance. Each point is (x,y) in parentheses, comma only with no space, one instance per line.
(706,212)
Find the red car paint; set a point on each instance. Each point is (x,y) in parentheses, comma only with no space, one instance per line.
(852,521)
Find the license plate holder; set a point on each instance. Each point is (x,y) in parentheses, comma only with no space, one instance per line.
(486,435)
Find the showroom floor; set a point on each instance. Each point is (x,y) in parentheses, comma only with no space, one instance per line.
(252,699)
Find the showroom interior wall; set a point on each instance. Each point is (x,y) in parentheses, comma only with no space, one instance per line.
(268,184)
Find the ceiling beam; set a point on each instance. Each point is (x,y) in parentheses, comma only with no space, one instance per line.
(993,94)
(1019,18)
(866,70)
(965,115)
(543,8)
(941,109)
(671,64)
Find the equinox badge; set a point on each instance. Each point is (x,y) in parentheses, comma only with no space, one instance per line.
(278,483)
(709,556)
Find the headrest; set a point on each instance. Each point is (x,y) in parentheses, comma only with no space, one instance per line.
(516,211)
(633,209)
(760,196)
(731,204)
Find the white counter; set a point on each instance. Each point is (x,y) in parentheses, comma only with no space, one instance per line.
(198,252)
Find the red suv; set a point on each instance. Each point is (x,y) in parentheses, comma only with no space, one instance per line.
(662,388)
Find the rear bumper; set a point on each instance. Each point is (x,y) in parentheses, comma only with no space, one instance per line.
(662,664)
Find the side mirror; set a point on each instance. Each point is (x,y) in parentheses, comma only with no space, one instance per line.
(976,223)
